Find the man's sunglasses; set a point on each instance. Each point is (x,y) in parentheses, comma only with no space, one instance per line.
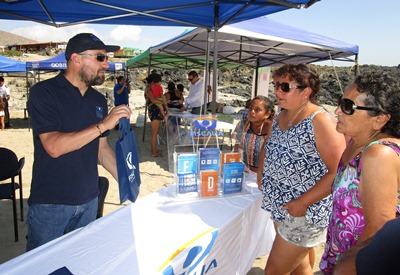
(348,106)
(286,87)
(99,56)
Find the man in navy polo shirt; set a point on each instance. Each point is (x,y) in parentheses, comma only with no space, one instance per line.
(70,123)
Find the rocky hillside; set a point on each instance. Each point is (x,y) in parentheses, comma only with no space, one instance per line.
(7,38)
(234,85)
(239,81)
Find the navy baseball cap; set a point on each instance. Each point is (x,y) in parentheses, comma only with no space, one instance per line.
(87,41)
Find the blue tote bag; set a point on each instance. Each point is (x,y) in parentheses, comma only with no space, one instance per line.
(127,157)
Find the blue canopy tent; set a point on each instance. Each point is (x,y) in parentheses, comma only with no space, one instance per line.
(8,65)
(197,13)
(59,62)
(11,65)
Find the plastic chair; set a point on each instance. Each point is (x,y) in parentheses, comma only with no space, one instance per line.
(103,187)
(10,168)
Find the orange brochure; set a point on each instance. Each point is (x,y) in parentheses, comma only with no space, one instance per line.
(209,183)
(229,157)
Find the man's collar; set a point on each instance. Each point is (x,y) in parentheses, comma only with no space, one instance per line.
(198,81)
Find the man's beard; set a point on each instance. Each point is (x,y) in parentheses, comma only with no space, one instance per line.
(97,80)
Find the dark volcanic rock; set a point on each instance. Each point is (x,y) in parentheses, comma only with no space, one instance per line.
(334,80)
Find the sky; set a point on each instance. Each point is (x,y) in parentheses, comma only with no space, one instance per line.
(372,25)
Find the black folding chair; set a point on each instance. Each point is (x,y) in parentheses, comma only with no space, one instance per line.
(10,167)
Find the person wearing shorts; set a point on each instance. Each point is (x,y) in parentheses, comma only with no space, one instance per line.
(154,114)
(298,168)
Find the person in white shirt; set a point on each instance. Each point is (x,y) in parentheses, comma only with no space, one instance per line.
(195,98)
(5,96)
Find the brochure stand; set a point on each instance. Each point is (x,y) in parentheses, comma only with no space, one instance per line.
(196,158)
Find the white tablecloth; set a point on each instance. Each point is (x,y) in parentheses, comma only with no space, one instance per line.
(161,234)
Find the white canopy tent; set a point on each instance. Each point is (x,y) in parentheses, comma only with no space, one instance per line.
(255,43)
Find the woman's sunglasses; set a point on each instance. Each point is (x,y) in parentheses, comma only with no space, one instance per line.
(348,106)
(286,87)
(99,56)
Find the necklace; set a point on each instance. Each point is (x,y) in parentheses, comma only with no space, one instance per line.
(260,130)
(262,125)
(290,124)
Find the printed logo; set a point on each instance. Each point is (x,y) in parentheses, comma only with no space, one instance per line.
(59,65)
(192,258)
(131,167)
(206,128)
(99,112)
(129,160)
(94,37)
(205,124)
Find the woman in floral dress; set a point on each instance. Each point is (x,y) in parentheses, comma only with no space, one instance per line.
(366,188)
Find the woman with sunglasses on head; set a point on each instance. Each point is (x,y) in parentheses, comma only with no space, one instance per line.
(366,188)
(300,161)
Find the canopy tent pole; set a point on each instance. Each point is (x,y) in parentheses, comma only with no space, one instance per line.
(357,67)
(215,73)
(215,59)
(256,78)
(207,73)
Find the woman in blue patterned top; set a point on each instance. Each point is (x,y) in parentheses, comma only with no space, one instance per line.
(301,157)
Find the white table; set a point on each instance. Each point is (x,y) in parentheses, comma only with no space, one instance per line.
(157,234)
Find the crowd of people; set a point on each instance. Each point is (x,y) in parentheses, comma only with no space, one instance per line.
(332,180)
(158,102)
(323,179)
